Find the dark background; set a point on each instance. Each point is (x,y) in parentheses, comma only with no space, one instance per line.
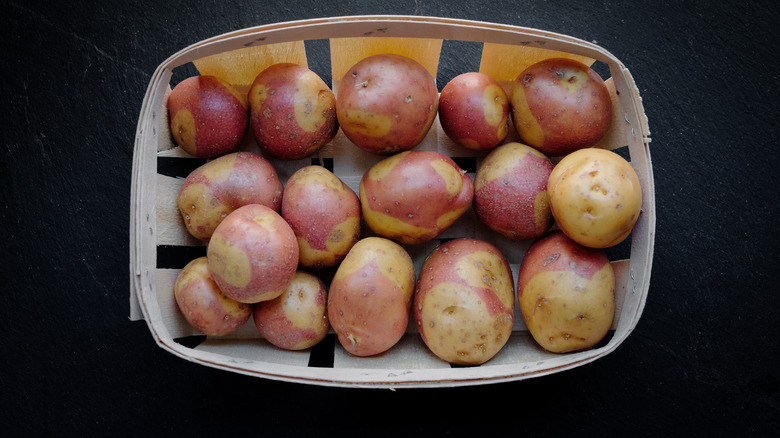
(703,359)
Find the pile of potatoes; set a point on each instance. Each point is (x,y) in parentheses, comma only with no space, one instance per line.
(268,240)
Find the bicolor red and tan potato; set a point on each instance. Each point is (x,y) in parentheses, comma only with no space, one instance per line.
(560,105)
(292,111)
(464,301)
(386,103)
(208,117)
(566,293)
(371,295)
(253,254)
(595,197)
(203,304)
(510,191)
(324,213)
(297,319)
(474,111)
(414,196)
(218,187)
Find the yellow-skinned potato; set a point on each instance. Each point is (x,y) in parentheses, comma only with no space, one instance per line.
(253,254)
(464,301)
(204,305)
(370,296)
(297,319)
(414,196)
(566,293)
(595,197)
(218,187)
(325,215)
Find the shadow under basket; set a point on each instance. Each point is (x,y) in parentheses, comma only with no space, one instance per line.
(160,245)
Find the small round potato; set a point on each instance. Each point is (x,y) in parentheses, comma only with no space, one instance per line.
(253,254)
(566,293)
(325,215)
(204,305)
(595,197)
(464,301)
(215,189)
(297,319)
(371,295)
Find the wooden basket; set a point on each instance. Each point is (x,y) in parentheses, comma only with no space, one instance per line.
(156,227)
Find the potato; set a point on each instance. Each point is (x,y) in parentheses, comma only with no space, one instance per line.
(204,305)
(253,254)
(474,111)
(560,105)
(324,214)
(292,111)
(510,191)
(215,189)
(566,293)
(464,301)
(595,197)
(371,295)
(386,103)
(208,117)
(297,319)
(414,196)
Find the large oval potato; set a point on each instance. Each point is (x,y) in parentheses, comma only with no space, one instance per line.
(204,305)
(566,293)
(324,213)
(464,301)
(218,187)
(253,254)
(297,319)
(510,191)
(386,103)
(371,295)
(595,197)
(414,196)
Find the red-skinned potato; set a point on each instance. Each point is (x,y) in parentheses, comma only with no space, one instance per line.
(371,295)
(292,111)
(414,196)
(474,111)
(510,191)
(386,103)
(297,319)
(218,187)
(560,105)
(464,301)
(208,117)
(566,293)
(204,305)
(253,254)
(325,215)
(595,197)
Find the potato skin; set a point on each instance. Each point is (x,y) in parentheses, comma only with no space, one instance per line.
(325,215)
(386,103)
(510,191)
(595,197)
(414,196)
(218,187)
(371,295)
(253,254)
(297,319)
(566,293)
(292,111)
(204,305)
(464,301)
(208,117)
(474,111)
(560,105)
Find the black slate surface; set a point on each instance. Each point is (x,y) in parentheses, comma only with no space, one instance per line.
(703,359)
